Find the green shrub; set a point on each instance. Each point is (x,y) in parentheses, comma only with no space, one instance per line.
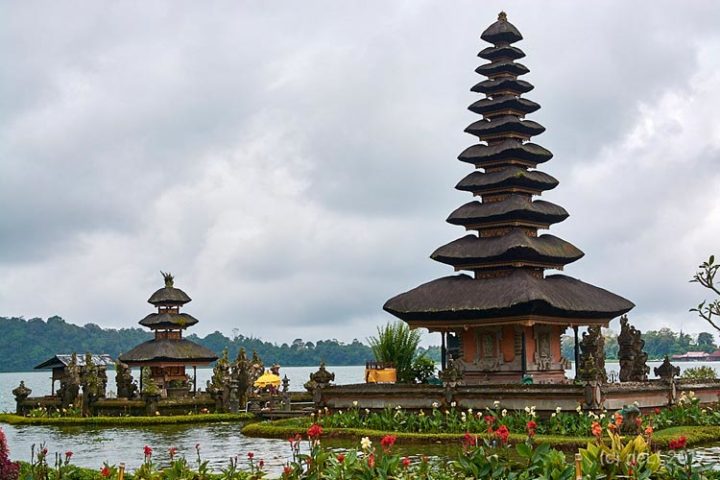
(700,373)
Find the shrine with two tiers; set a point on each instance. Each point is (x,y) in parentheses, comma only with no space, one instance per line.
(503,321)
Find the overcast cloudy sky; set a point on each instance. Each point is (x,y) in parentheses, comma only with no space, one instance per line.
(292,163)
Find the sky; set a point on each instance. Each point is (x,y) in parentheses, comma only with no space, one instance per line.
(293,163)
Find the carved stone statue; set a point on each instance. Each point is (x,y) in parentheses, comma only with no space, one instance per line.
(667,371)
(70,383)
(91,384)
(592,356)
(21,393)
(453,373)
(241,375)
(126,387)
(219,384)
(319,379)
(633,360)
(257,367)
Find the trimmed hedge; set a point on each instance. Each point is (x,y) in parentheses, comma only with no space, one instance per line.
(130,421)
(287,428)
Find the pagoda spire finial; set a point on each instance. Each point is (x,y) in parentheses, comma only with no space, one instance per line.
(502,16)
(169,279)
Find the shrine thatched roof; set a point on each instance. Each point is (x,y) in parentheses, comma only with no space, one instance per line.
(512,209)
(509,149)
(168,320)
(520,293)
(507,178)
(516,246)
(63,360)
(168,350)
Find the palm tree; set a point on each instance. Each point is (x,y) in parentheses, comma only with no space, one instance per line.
(398,344)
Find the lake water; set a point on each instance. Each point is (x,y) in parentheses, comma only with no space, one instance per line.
(218,442)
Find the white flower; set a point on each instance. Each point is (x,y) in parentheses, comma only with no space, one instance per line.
(602,415)
(553,415)
(578,408)
(470,411)
(365,443)
(453,404)
(355,403)
(435,404)
(339,412)
(558,409)
(527,409)
(463,417)
(367,411)
(496,403)
(399,407)
(504,412)
(422,414)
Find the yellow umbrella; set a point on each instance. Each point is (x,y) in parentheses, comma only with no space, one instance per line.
(266,379)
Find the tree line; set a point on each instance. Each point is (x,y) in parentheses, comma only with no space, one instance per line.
(658,343)
(26,343)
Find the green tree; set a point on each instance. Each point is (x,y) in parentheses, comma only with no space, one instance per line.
(706,342)
(705,276)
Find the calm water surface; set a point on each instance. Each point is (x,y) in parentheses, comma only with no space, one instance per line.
(218,442)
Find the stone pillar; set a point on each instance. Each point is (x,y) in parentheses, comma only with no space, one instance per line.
(21,394)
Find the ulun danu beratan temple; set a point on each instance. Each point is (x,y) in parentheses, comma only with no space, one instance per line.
(503,320)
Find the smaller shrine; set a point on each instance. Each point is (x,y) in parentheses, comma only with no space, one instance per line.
(61,363)
(169,354)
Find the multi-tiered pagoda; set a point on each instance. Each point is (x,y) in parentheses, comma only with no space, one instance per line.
(169,353)
(507,316)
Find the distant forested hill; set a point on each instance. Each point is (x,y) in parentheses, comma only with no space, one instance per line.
(26,343)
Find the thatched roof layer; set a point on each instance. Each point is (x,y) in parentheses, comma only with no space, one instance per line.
(494,86)
(509,177)
(501,31)
(503,102)
(509,67)
(515,246)
(520,293)
(512,209)
(168,320)
(506,150)
(167,350)
(505,51)
(505,124)
(169,296)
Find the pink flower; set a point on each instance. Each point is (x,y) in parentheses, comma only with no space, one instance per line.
(68,455)
(250,455)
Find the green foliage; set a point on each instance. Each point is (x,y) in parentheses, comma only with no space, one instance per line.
(11,419)
(149,387)
(423,368)
(40,340)
(700,373)
(397,344)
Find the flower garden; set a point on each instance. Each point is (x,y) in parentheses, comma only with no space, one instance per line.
(493,443)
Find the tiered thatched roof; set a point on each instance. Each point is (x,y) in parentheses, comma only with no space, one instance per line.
(504,251)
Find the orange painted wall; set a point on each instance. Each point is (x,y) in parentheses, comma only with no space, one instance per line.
(529,344)
(507,344)
(555,343)
(469,345)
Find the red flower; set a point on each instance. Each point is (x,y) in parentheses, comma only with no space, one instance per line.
(147,450)
(531,427)
(657,410)
(405,462)
(314,431)
(387,442)
(596,429)
(105,471)
(172,451)
(44,451)
(469,440)
(678,443)
(371,460)
(68,455)
(638,421)
(251,455)
(287,470)
(340,457)
(502,433)
(618,419)
(261,463)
